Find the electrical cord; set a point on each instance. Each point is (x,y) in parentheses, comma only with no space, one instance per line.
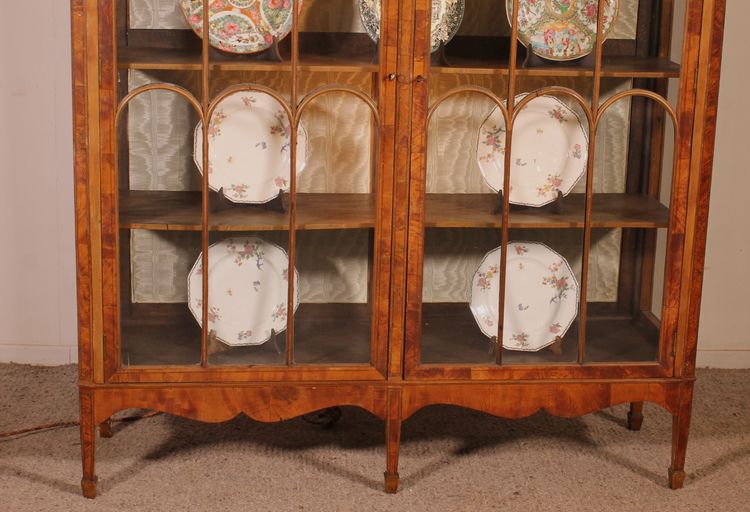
(65,424)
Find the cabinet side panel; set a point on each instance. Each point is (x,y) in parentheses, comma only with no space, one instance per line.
(707,103)
(80,141)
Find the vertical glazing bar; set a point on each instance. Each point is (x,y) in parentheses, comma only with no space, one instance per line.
(292,189)
(511,102)
(204,187)
(590,179)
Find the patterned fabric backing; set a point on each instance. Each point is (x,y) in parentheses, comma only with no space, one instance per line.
(316,16)
(343,16)
(333,264)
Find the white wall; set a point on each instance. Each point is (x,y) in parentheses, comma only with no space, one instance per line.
(37,262)
(724,337)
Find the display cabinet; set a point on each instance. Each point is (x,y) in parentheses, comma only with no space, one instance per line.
(285,207)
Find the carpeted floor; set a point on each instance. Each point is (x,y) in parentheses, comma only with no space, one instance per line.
(451,459)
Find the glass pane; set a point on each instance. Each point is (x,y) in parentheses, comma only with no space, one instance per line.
(542,296)
(631,212)
(450,333)
(248,164)
(158,189)
(247,284)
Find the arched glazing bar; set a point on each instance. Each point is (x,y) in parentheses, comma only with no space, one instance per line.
(470,89)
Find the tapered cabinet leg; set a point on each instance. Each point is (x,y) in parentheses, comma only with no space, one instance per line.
(88,443)
(635,416)
(392,440)
(680,431)
(105,429)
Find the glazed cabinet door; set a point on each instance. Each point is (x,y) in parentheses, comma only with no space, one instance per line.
(583,254)
(246,180)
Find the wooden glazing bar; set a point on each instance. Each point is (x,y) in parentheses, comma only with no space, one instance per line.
(510,102)
(411,125)
(384,188)
(294,124)
(656,159)
(590,180)
(204,187)
(108,185)
(374,245)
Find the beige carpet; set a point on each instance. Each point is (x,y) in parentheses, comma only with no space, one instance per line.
(452,459)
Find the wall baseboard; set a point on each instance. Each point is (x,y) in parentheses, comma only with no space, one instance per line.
(43,355)
(730,359)
(52,355)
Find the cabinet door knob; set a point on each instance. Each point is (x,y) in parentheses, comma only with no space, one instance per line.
(392,76)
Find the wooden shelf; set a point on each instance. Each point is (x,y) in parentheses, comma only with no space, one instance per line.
(167,334)
(617,66)
(609,211)
(451,336)
(181,211)
(190,59)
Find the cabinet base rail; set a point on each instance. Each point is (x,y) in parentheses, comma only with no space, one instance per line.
(391,402)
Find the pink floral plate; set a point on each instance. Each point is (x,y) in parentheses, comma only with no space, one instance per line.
(247,290)
(550,149)
(541,298)
(249,139)
(241,26)
(561,29)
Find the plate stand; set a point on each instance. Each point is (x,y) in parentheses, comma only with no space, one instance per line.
(270,54)
(533,60)
(375,58)
(438,58)
(218,202)
(216,347)
(555,206)
(555,347)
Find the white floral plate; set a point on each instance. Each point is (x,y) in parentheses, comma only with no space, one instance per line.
(241,26)
(446,19)
(541,298)
(550,148)
(561,29)
(248,148)
(247,290)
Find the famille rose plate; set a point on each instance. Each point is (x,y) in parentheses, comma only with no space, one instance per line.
(549,153)
(249,140)
(241,26)
(541,298)
(247,290)
(446,19)
(561,29)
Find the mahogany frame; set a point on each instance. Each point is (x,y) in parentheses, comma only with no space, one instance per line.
(395,385)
